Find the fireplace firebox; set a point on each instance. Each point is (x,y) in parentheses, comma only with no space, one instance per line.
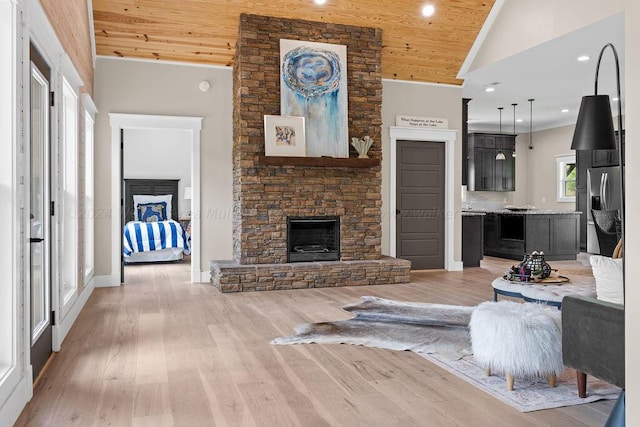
(313,238)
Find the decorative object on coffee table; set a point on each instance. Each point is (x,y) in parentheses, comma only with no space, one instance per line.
(533,268)
(518,340)
(362,146)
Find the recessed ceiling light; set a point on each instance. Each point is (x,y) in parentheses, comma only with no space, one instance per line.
(489,89)
(428,10)
(564,110)
(583,58)
(519,120)
(320,2)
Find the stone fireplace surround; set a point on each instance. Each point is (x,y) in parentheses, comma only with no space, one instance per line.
(265,195)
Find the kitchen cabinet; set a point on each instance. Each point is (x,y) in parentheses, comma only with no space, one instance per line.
(604,158)
(472,242)
(484,172)
(511,235)
(581,206)
(491,246)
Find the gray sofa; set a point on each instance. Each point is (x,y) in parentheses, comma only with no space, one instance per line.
(593,340)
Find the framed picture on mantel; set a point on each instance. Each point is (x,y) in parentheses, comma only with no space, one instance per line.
(284,136)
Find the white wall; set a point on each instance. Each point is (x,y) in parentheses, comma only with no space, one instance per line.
(160,154)
(523,24)
(426,100)
(541,169)
(146,87)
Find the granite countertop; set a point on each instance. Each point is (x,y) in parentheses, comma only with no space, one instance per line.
(523,212)
(473,213)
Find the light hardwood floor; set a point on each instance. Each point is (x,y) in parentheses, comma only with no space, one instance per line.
(161,351)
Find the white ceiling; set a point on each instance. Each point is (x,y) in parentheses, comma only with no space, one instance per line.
(549,73)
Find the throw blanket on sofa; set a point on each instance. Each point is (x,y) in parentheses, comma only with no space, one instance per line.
(151,236)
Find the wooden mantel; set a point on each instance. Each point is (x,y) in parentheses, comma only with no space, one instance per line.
(351,162)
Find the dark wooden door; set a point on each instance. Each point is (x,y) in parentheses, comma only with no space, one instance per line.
(420,203)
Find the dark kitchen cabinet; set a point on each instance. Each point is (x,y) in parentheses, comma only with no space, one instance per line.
(604,158)
(472,242)
(513,235)
(484,171)
(581,206)
(491,246)
(583,162)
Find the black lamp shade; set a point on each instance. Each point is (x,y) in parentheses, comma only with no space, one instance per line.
(594,128)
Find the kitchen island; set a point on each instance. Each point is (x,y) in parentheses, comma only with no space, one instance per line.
(511,234)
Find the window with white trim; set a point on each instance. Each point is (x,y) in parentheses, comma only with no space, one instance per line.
(68,197)
(566,178)
(88,197)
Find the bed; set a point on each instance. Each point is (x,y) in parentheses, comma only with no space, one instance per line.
(152,232)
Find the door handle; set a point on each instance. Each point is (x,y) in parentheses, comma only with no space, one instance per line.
(603,203)
(36,240)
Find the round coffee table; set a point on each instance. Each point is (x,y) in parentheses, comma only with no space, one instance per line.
(545,293)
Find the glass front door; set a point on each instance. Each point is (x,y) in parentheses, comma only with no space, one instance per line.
(39,233)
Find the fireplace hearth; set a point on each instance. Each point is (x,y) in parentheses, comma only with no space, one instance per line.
(313,238)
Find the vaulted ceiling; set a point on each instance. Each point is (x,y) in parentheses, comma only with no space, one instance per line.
(204,31)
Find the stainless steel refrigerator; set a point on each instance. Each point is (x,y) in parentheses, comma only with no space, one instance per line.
(603,185)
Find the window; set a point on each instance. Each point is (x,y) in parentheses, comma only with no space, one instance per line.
(566,167)
(88,197)
(68,196)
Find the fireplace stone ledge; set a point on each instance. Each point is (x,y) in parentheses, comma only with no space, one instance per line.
(230,276)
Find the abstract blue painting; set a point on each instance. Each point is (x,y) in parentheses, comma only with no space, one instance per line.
(313,84)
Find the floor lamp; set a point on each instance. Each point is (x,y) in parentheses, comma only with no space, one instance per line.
(594,131)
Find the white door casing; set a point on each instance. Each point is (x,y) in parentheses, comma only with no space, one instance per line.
(445,136)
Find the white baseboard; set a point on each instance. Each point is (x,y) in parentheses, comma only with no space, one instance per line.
(13,406)
(205,276)
(455,266)
(106,281)
(61,330)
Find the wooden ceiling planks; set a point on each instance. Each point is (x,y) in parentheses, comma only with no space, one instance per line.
(204,31)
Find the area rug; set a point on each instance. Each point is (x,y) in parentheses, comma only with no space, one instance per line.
(439,333)
(382,323)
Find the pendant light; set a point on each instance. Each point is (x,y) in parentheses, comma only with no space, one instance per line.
(531,124)
(514,130)
(500,155)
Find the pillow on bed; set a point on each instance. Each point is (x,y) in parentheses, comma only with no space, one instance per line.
(143,198)
(152,212)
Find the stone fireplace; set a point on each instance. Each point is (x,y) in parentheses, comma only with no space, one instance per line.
(269,192)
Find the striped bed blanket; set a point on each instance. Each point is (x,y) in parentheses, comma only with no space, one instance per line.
(151,236)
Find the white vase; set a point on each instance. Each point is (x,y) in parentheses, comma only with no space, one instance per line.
(362,146)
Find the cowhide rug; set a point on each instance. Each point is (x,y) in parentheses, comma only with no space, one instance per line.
(395,325)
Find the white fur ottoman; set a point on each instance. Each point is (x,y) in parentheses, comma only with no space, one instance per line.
(517,340)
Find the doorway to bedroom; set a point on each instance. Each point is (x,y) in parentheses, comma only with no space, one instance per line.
(157,190)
